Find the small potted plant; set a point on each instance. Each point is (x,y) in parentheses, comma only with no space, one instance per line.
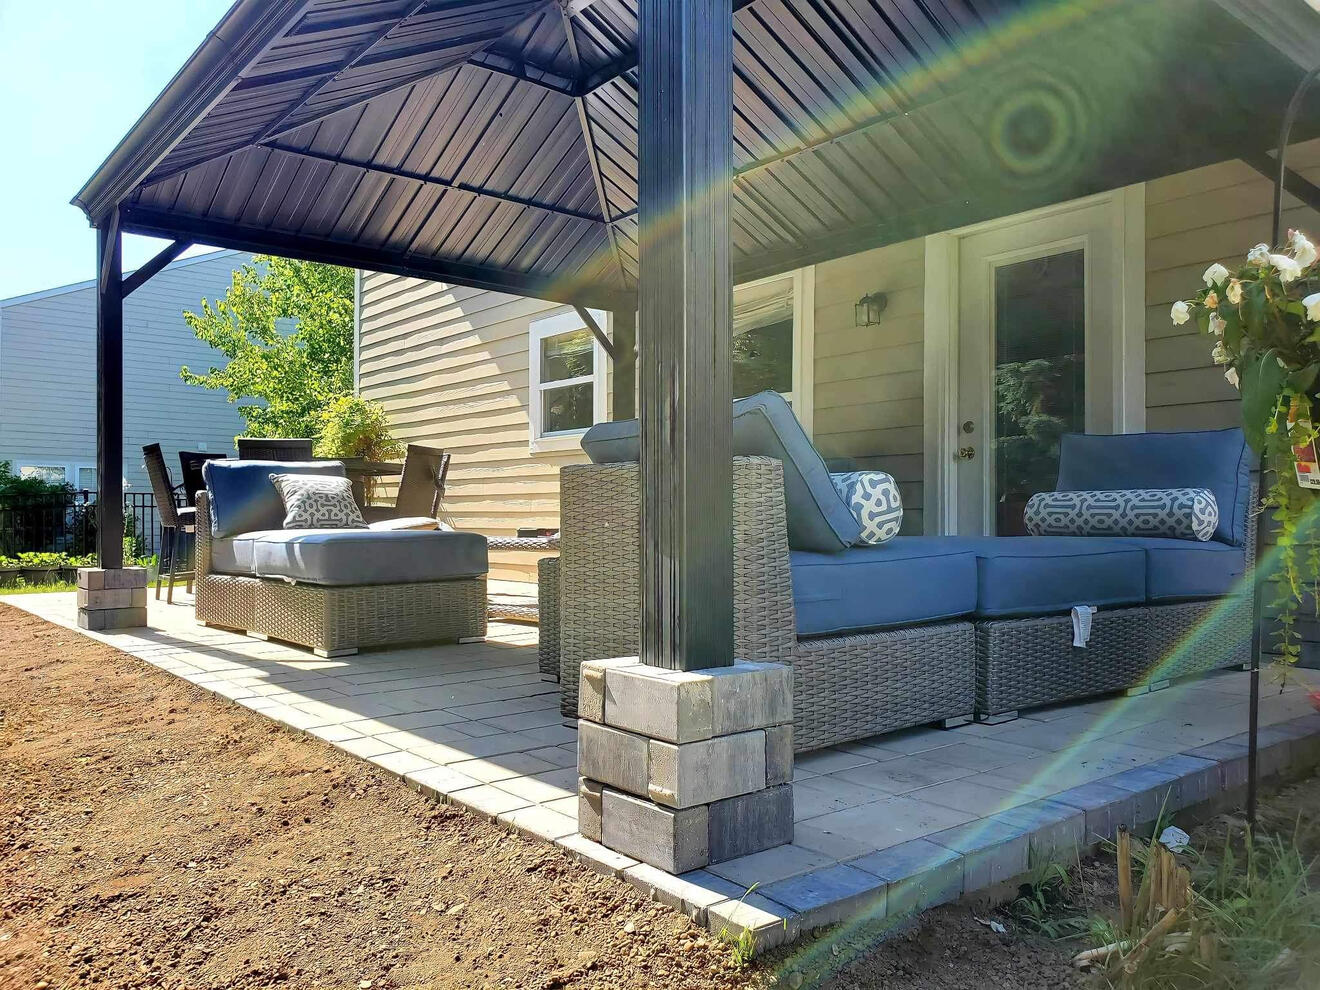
(9,571)
(70,564)
(1264,317)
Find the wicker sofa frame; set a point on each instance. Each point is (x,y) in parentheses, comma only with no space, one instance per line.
(340,620)
(1024,663)
(853,686)
(845,687)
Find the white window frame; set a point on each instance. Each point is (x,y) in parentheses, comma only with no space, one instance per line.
(538,330)
(78,469)
(803,396)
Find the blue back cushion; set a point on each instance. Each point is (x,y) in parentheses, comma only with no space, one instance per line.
(244,500)
(764,426)
(1213,459)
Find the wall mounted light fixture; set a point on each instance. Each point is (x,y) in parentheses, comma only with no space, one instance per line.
(868,309)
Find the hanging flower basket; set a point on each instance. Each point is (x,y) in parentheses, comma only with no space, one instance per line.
(1264,317)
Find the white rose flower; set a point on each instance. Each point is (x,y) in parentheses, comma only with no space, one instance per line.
(1231,376)
(1259,255)
(1312,304)
(1287,268)
(1180,313)
(1217,325)
(1214,274)
(1220,353)
(1303,250)
(1234,292)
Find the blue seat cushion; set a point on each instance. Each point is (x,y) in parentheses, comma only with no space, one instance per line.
(1043,575)
(763,425)
(1213,459)
(910,579)
(243,499)
(1186,569)
(368,556)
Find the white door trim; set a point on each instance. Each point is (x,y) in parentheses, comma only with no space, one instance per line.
(940,340)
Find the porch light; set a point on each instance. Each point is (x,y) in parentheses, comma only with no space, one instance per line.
(868,309)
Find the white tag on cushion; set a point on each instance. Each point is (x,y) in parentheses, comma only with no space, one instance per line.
(1180,513)
(318,502)
(874,500)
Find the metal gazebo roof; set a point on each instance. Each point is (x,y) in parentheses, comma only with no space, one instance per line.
(493,143)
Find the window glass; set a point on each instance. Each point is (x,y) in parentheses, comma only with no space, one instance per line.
(43,471)
(762,351)
(566,355)
(567,407)
(87,479)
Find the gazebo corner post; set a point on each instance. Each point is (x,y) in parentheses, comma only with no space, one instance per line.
(624,384)
(110,596)
(685,753)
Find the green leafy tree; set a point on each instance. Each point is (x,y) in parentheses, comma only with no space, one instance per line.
(284,378)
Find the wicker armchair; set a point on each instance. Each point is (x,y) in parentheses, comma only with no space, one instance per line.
(845,687)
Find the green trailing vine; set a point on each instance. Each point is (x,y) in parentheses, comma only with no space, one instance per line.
(1265,320)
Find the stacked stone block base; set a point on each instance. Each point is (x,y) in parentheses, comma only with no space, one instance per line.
(680,769)
(112,599)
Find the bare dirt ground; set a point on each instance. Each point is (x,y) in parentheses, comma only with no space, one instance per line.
(153,835)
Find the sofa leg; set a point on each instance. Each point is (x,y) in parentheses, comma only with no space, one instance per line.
(998,718)
(1138,691)
(256,635)
(1158,685)
(472,639)
(954,721)
(331,654)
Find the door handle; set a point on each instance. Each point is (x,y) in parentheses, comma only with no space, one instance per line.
(966,453)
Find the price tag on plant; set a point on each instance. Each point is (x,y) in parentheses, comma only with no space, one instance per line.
(1304,457)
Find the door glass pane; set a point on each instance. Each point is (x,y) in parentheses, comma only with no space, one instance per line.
(566,355)
(1040,376)
(567,407)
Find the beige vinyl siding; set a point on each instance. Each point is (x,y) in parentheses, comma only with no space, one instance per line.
(1194,219)
(868,384)
(450,366)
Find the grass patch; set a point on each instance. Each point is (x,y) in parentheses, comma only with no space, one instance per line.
(1234,910)
(23,588)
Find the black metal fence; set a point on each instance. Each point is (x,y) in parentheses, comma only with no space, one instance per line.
(65,522)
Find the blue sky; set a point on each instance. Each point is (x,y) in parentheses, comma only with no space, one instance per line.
(74,76)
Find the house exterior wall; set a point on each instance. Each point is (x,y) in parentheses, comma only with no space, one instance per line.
(450,364)
(48,372)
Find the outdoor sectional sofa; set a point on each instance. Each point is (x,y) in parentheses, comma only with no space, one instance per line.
(334,591)
(922,629)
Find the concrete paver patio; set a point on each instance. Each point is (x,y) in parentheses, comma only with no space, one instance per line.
(882,826)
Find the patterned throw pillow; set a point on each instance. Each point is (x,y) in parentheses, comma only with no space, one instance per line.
(1181,513)
(318,502)
(873,498)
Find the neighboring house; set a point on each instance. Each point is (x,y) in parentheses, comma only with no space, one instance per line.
(48,375)
(1066,307)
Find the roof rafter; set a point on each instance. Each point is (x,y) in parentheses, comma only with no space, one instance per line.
(593,154)
(158,223)
(431,180)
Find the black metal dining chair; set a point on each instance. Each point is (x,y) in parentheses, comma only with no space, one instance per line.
(173,519)
(422,486)
(275,448)
(190,464)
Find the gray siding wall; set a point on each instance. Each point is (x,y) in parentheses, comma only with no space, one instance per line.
(48,373)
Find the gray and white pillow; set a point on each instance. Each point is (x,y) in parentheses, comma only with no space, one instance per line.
(874,500)
(318,502)
(1180,513)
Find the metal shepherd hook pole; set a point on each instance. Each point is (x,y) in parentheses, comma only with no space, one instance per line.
(1253,728)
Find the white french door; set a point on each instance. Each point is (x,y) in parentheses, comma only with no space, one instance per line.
(1039,326)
